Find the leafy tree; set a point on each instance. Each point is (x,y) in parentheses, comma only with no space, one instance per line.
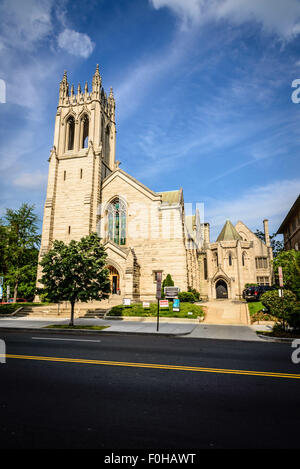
(19,243)
(167,282)
(277,246)
(75,272)
(290,263)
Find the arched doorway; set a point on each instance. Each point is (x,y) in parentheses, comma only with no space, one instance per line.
(221,289)
(114,277)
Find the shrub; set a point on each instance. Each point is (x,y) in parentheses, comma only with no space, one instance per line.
(116,311)
(186,296)
(285,309)
(195,293)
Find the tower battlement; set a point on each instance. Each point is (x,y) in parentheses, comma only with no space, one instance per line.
(67,96)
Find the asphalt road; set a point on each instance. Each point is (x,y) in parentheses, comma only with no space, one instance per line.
(196,400)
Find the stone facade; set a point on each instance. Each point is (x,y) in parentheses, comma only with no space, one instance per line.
(290,227)
(236,258)
(144,232)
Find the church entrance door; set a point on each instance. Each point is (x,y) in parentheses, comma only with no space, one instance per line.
(114,280)
(221,289)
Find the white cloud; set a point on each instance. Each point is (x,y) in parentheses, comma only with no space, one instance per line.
(271,201)
(23,24)
(34,180)
(75,43)
(275,16)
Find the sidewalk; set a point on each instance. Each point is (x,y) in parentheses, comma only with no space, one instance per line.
(193,331)
(137,327)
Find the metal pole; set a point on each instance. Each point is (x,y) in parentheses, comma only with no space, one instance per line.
(157,325)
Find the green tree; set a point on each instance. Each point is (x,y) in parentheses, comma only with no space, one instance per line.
(277,246)
(285,309)
(75,272)
(19,243)
(290,263)
(167,282)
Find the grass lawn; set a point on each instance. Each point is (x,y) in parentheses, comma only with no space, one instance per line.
(138,310)
(255,306)
(66,326)
(256,313)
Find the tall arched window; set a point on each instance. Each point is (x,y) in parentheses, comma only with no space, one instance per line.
(106,144)
(84,131)
(215,258)
(243,259)
(70,133)
(116,214)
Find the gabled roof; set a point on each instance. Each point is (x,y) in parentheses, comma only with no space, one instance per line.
(131,180)
(295,207)
(228,233)
(190,221)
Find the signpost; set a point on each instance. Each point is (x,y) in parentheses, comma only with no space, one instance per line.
(171,292)
(158,295)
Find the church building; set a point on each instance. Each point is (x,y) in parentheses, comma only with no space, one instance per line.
(144,232)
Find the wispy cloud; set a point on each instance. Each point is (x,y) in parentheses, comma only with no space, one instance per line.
(31,180)
(146,73)
(271,201)
(274,16)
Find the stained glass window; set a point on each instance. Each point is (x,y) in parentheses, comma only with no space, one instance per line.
(117,222)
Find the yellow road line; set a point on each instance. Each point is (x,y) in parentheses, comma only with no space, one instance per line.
(157,366)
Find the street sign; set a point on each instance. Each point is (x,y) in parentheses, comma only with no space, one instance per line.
(280,274)
(158,285)
(164,304)
(171,292)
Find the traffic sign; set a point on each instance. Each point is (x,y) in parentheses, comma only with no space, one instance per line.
(280,274)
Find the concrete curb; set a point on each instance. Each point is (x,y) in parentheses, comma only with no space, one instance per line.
(287,340)
(88,331)
(153,319)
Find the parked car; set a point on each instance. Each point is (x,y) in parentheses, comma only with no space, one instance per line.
(254,293)
(18,300)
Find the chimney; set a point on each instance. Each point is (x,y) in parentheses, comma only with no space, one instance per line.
(267,235)
(206,234)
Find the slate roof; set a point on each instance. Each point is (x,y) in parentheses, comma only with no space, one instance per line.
(171,197)
(228,233)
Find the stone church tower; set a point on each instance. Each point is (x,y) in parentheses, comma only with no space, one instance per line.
(143,232)
(83,154)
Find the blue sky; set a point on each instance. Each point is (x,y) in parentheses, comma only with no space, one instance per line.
(203,95)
